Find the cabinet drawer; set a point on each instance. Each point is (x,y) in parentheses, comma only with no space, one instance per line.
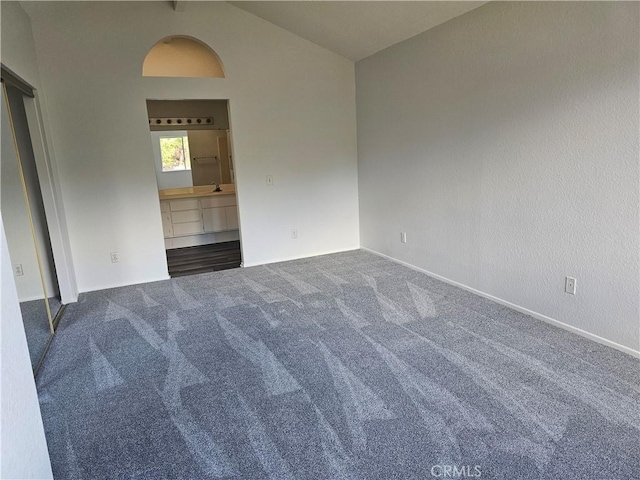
(185,216)
(164,207)
(214,219)
(232,217)
(185,204)
(167,228)
(190,228)
(226,201)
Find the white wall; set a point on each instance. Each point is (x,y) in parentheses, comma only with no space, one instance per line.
(23,447)
(292,110)
(17,47)
(505,143)
(18,53)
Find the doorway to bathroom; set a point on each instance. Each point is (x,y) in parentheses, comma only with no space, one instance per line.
(194,166)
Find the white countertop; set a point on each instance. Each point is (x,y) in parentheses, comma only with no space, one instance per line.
(197,191)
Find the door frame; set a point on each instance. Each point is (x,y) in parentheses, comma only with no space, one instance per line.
(230,147)
(49,185)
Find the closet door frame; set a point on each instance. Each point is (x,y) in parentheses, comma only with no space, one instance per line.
(49,185)
(27,200)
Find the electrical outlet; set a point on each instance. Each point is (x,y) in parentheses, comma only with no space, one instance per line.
(18,270)
(115,257)
(570,285)
(403,237)
(294,233)
(269,180)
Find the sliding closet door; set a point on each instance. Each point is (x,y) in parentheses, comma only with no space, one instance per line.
(16,101)
(25,226)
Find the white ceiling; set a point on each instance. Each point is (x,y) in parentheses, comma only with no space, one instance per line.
(357,29)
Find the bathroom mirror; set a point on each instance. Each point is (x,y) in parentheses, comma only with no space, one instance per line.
(191,142)
(26,227)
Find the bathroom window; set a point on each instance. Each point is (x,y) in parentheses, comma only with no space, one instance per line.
(175,153)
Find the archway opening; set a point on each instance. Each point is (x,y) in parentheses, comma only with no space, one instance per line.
(182,56)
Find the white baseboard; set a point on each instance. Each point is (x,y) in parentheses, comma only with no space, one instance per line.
(70,298)
(288,259)
(31,298)
(539,316)
(107,286)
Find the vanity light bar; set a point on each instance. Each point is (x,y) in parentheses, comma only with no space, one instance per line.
(172,121)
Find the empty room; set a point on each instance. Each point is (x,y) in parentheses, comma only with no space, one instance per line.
(320,240)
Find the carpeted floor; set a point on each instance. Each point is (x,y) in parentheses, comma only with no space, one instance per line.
(339,366)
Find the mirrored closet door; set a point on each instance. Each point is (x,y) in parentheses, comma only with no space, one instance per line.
(26,228)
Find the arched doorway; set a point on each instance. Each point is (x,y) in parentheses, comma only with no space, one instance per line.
(194,164)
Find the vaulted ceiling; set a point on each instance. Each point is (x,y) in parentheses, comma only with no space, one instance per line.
(357,29)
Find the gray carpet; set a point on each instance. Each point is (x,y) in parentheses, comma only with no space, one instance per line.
(339,366)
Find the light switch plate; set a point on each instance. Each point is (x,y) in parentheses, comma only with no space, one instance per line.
(570,285)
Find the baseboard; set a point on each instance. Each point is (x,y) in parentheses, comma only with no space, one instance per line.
(107,287)
(526,311)
(66,299)
(30,298)
(288,259)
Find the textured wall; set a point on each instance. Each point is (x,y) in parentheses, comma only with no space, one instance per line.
(292,110)
(19,55)
(505,142)
(23,447)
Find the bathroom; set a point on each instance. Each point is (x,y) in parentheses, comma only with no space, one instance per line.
(193,158)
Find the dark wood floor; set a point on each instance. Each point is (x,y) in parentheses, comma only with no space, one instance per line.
(203,258)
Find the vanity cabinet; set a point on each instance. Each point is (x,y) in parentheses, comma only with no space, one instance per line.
(167,228)
(195,216)
(219,213)
(186,218)
(232,217)
(184,204)
(214,219)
